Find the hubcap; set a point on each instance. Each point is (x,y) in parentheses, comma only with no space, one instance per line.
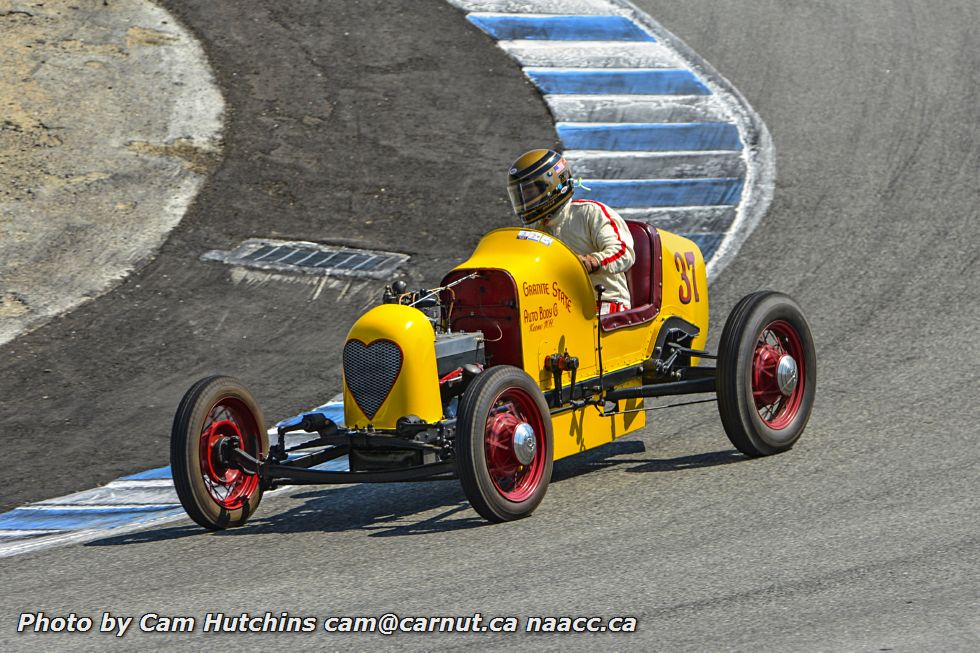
(219,437)
(778,372)
(787,375)
(524,443)
(230,424)
(514,445)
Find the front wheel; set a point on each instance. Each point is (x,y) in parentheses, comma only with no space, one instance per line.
(217,415)
(767,374)
(504,444)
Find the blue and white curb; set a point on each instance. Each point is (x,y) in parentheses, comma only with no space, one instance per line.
(652,128)
(131,502)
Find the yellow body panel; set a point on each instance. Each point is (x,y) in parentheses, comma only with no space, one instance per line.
(416,388)
(556,311)
(684,278)
(557,302)
(585,428)
(557,307)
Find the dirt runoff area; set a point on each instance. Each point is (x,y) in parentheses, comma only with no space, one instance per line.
(109,122)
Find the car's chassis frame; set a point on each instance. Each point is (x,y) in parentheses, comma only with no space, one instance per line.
(333,441)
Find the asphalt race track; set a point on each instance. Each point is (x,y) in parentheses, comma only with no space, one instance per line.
(865,537)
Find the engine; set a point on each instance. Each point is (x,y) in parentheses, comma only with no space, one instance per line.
(456,350)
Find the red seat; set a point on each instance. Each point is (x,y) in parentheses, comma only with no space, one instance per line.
(643,279)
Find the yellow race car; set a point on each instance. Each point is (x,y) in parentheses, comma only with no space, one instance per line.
(503,369)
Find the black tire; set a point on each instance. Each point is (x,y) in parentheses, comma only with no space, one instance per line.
(216,496)
(492,408)
(759,417)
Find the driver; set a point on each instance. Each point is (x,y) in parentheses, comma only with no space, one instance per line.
(540,188)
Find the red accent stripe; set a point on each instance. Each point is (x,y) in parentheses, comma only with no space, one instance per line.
(614,307)
(455,375)
(622,245)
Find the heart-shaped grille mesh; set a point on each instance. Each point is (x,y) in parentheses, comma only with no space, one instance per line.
(370,372)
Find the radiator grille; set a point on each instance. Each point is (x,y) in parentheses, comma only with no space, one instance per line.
(370,372)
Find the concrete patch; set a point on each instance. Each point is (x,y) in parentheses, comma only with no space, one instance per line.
(109,121)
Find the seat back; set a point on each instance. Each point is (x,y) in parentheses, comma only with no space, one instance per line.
(639,278)
(643,279)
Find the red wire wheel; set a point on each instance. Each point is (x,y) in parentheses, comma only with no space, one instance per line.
(217,415)
(227,484)
(766,376)
(777,369)
(504,444)
(514,454)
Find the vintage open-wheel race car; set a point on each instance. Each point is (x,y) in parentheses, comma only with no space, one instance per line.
(500,371)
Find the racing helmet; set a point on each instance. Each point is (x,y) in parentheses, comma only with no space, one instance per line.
(539,183)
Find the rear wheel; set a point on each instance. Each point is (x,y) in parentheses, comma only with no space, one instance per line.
(217,415)
(504,444)
(767,374)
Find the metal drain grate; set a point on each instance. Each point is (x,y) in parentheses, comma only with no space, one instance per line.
(310,258)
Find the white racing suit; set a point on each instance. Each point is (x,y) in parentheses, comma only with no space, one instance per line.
(591,227)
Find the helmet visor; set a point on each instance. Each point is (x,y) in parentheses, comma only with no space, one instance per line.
(528,195)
